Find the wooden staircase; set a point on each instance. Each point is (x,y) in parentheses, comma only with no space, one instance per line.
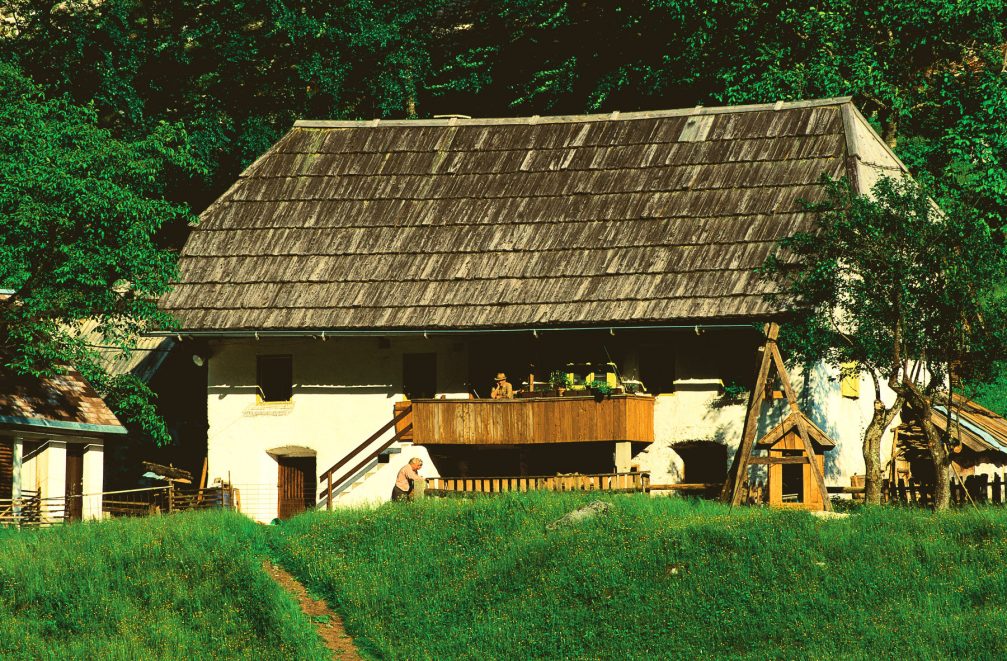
(365,457)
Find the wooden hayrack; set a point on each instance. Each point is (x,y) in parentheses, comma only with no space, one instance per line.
(733,487)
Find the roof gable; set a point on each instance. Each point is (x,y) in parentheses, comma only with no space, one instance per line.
(818,437)
(639,218)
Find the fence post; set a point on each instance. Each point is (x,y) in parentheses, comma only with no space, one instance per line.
(996,489)
(328,492)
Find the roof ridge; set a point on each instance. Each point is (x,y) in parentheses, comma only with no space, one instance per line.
(538,120)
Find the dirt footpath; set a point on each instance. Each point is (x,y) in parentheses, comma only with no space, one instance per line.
(327,623)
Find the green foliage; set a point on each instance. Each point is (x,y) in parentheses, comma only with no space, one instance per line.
(993,393)
(482,579)
(155,588)
(887,279)
(560,379)
(929,74)
(600,387)
(734,393)
(80,213)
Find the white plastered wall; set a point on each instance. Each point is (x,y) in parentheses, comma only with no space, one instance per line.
(695,413)
(93,483)
(44,470)
(872,158)
(344,390)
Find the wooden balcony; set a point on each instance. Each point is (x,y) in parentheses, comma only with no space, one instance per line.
(533,420)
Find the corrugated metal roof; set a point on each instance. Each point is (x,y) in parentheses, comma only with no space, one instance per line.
(538,222)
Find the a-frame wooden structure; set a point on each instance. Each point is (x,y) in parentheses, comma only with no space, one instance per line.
(771,359)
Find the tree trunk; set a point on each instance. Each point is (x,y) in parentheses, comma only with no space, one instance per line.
(889,131)
(942,484)
(872,456)
(939,455)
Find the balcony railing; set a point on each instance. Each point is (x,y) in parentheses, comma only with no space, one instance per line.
(610,482)
(533,420)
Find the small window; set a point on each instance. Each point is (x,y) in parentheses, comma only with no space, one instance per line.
(275,378)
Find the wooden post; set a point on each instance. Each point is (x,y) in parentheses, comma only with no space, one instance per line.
(328,492)
(171,496)
(738,473)
(996,489)
(202,484)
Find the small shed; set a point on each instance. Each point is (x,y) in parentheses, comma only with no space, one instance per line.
(791,483)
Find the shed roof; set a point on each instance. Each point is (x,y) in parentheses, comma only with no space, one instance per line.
(597,220)
(64,404)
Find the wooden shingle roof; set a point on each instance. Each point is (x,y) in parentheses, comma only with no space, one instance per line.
(62,404)
(640,218)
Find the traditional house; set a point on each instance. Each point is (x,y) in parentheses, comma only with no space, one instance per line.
(52,438)
(357,263)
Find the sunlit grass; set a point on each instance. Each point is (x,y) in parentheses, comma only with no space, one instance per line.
(184,586)
(656,578)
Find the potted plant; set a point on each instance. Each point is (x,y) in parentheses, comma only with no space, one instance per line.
(560,381)
(733,393)
(600,389)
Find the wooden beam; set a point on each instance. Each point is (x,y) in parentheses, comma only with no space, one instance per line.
(739,468)
(776,460)
(683,486)
(802,430)
(170,472)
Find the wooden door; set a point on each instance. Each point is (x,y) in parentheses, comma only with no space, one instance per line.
(296,484)
(74,482)
(6,467)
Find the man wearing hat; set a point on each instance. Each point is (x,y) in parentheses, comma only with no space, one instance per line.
(502,389)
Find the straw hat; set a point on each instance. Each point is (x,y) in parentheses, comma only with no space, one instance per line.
(501,376)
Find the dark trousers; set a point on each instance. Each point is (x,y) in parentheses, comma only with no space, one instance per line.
(399,494)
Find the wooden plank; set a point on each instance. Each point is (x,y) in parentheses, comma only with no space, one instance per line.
(533,420)
(777,460)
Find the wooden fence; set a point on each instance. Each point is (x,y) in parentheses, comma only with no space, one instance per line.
(610,482)
(31,511)
(978,489)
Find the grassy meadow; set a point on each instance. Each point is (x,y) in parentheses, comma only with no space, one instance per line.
(179,587)
(656,578)
(484,579)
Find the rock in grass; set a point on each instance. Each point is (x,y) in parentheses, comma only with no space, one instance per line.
(580,514)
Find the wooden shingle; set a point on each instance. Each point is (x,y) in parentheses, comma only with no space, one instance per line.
(455,224)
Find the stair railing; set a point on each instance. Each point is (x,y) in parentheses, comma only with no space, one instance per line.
(334,484)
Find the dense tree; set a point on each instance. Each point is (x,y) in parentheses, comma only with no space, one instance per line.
(79,211)
(904,290)
(930,73)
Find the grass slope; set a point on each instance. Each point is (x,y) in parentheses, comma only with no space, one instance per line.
(658,578)
(185,586)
